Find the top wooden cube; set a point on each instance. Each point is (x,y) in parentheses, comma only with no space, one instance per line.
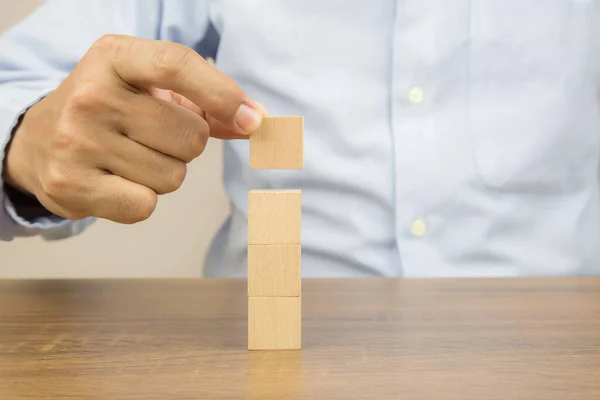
(278,144)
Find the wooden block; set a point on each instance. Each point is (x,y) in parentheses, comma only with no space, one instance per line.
(274,270)
(274,216)
(278,144)
(274,323)
(270,375)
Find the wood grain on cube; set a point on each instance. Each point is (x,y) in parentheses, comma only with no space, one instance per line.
(274,216)
(274,270)
(274,323)
(278,144)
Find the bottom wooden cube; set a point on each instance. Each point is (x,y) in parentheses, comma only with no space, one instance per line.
(274,323)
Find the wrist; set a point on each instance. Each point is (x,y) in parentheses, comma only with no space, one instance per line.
(25,204)
(14,168)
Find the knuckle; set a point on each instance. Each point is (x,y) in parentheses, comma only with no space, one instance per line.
(221,97)
(176,177)
(68,143)
(63,137)
(136,208)
(55,182)
(170,60)
(107,43)
(171,178)
(214,101)
(194,140)
(87,97)
(146,204)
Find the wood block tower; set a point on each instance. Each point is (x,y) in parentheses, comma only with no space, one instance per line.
(274,250)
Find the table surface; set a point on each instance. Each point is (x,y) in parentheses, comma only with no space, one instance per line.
(362,339)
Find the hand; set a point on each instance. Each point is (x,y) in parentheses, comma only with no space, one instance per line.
(122,127)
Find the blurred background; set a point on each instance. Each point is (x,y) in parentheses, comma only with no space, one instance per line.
(173,242)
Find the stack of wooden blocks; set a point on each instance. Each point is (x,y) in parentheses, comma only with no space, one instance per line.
(274,249)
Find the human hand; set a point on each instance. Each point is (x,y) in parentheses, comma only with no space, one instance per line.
(122,127)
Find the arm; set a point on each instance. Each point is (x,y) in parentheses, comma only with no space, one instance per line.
(41,51)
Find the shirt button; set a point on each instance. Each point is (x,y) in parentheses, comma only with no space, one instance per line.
(416,95)
(418,227)
(210,61)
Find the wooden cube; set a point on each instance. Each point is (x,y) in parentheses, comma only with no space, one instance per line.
(274,270)
(274,216)
(278,144)
(274,323)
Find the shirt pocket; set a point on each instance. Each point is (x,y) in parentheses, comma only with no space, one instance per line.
(533,79)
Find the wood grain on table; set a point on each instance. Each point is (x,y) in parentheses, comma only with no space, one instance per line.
(362,339)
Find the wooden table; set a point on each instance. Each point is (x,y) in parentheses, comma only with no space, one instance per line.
(363,339)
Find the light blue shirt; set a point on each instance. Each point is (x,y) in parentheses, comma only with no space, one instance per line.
(442,137)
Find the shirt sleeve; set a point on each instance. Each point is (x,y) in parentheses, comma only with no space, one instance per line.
(37,54)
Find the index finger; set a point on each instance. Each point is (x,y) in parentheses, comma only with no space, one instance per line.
(146,63)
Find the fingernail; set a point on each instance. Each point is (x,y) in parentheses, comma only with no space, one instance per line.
(163,95)
(247,119)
